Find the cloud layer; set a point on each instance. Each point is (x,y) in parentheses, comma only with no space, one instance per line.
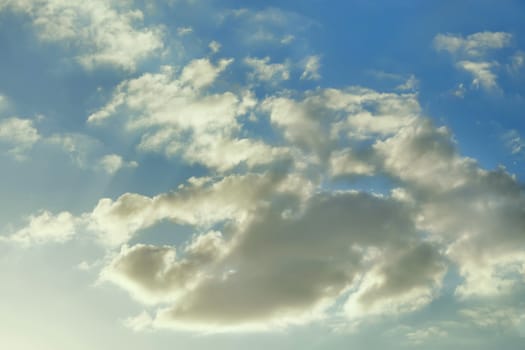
(275,223)
(272,245)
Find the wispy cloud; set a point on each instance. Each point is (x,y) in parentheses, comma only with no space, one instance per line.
(472,55)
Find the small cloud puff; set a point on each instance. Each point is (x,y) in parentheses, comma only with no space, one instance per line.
(312,64)
(111,163)
(265,71)
(19,135)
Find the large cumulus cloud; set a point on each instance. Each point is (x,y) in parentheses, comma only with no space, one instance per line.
(275,242)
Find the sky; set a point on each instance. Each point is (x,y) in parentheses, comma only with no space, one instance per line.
(204,174)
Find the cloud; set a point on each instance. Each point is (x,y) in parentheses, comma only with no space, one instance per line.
(104,33)
(19,135)
(346,162)
(410,84)
(112,163)
(265,71)
(449,188)
(328,116)
(201,73)
(182,31)
(46,228)
(214,46)
(150,272)
(85,152)
(139,323)
(175,115)
(482,73)
(204,204)
(262,277)
(312,64)
(517,61)
(493,318)
(424,156)
(269,27)
(514,141)
(473,45)
(270,250)
(273,243)
(471,55)
(401,282)
(420,336)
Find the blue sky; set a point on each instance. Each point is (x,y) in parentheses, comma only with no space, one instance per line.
(223,175)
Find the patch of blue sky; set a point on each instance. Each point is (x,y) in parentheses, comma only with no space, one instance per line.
(154,174)
(165,233)
(51,181)
(378,184)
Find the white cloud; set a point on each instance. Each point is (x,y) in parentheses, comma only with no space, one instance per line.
(19,135)
(447,189)
(112,163)
(139,323)
(266,71)
(401,282)
(182,31)
(45,228)
(278,238)
(231,199)
(214,46)
(420,336)
(176,116)
(471,53)
(423,155)
(514,141)
(201,73)
(104,32)
(312,65)
(482,72)
(517,62)
(474,45)
(287,39)
(346,162)
(460,91)
(275,247)
(411,84)
(317,122)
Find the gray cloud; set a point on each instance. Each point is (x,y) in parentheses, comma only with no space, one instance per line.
(283,268)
